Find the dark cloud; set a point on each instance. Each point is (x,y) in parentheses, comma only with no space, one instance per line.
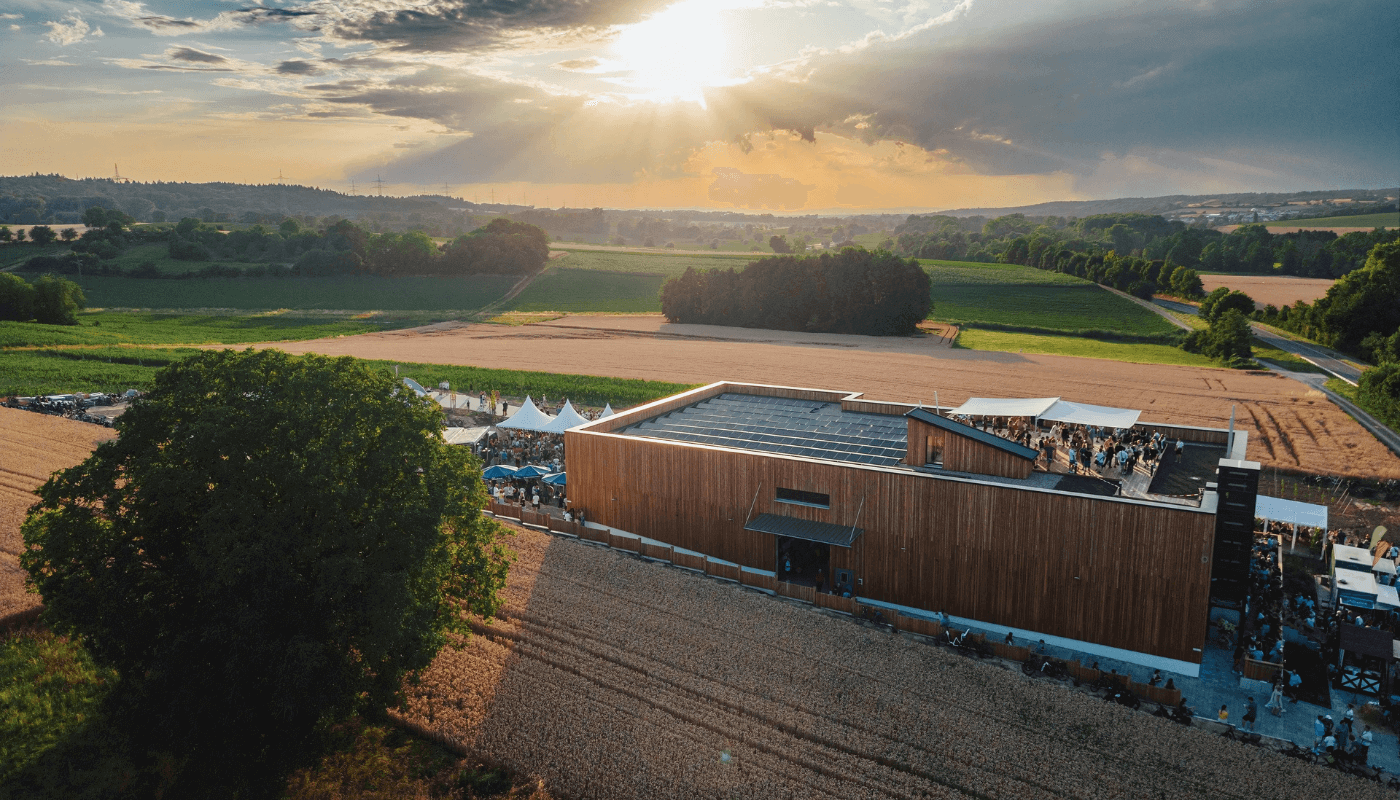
(194,56)
(1061,91)
(297,68)
(454,25)
(167,24)
(757,191)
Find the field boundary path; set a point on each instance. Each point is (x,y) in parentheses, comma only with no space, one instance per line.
(521,284)
(1160,311)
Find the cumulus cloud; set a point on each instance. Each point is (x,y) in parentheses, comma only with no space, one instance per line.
(69,30)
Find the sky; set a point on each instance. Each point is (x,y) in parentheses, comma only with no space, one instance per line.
(788,106)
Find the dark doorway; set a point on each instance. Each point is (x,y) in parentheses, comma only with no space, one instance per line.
(804,562)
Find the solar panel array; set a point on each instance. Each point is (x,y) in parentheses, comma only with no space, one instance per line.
(778,425)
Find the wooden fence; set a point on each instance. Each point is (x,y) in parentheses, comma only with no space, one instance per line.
(807,594)
(693,561)
(659,552)
(1261,670)
(729,572)
(631,544)
(834,602)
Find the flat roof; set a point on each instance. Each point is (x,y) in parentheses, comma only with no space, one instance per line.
(807,428)
(820,429)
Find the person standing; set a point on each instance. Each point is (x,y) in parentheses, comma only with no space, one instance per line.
(1251,711)
(1224,715)
(1276,700)
(1319,731)
(1363,745)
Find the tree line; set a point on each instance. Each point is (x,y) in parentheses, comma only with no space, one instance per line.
(1046,242)
(853,291)
(502,247)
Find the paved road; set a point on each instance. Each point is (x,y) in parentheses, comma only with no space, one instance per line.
(1321,357)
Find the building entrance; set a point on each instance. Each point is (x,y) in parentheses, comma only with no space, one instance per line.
(803,562)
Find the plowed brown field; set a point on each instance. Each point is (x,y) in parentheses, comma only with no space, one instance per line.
(31,447)
(611,677)
(1269,290)
(1291,426)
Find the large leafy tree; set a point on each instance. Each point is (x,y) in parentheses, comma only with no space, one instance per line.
(273,542)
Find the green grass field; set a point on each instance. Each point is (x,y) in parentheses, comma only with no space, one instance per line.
(563,289)
(1014,342)
(652,263)
(15,254)
(1033,301)
(264,294)
(116,369)
(50,687)
(116,327)
(1390,219)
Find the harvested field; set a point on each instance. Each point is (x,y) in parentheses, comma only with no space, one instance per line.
(1291,425)
(611,677)
(1271,290)
(31,447)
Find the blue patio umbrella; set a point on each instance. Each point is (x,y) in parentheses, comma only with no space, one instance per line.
(531,471)
(557,479)
(497,472)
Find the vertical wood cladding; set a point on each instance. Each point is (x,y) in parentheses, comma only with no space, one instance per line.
(962,453)
(1103,570)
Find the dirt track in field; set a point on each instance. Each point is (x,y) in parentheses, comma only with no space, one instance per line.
(1291,425)
(1268,290)
(31,447)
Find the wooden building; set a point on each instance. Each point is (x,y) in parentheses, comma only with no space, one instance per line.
(906,507)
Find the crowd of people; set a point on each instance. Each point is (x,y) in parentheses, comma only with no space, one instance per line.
(1082,449)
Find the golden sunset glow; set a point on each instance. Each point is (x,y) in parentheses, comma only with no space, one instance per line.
(676,53)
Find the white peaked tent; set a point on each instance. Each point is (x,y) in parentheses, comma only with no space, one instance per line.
(527,418)
(1005,407)
(1085,414)
(607,411)
(1051,408)
(567,419)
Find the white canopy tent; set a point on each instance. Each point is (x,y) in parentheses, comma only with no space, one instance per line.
(1085,414)
(607,411)
(567,419)
(1276,509)
(1005,407)
(464,435)
(1051,408)
(527,418)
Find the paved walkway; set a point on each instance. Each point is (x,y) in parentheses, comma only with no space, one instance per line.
(1219,684)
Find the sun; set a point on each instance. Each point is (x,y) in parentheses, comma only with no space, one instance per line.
(676,53)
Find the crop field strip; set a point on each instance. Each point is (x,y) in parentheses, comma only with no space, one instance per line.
(362,293)
(677,668)
(1389,219)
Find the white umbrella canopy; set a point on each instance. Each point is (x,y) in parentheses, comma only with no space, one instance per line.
(528,418)
(607,411)
(567,419)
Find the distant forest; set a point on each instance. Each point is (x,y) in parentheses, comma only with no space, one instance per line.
(1068,245)
(501,247)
